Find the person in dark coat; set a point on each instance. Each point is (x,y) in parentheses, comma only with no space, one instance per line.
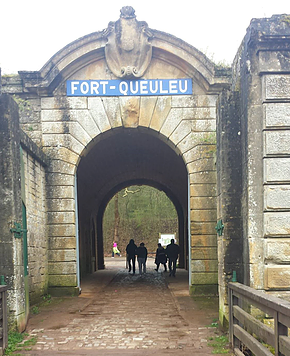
(131,253)
(160,257)
(172,252)
(141,253)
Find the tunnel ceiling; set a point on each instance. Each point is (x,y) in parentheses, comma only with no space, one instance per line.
(130,156)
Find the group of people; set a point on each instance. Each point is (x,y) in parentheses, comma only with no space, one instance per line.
(171,253)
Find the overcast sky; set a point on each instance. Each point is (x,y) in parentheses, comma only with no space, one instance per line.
(32,31)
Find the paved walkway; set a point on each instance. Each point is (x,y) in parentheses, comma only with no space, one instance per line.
(119,313)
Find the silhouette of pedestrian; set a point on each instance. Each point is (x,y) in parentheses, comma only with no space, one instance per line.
(131,253)
(141,253)
(160,257)
(172,252)
(115,250)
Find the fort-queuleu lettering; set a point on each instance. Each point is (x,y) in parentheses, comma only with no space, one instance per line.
(129,87)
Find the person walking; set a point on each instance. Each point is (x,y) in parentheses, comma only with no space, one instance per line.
(115,250)
(172,252)
(141,253)
(131,253)
(160,257)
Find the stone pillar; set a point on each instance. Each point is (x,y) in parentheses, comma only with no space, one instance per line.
(229,196)
(11,248)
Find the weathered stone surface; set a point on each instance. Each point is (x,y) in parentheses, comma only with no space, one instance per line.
(130,111)
(98,112)
(68,255)
(199,190)
(205,228)
(273,61)
(161,111)
(204,253)
(204,265)
(277,142)
(203,215)
(277,224)
(277,114)
(61,217)
(72,148)
(202,203)
(277,169)
(62,268)
(62,280)
(64,102)
(277,197)
(204,240)
(201,165)
(62,241)
(277,86)
(204,278)
(278,251)
(112,109)
(147,105)
(61,204)
(62,230)
(277,277)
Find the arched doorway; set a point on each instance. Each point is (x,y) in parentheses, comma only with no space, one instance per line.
(119,158)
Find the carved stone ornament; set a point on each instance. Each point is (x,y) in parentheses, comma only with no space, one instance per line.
(128,49)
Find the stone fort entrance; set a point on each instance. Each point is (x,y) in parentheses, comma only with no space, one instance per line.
(132,105)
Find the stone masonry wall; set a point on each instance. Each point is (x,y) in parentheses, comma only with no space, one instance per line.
(35,192)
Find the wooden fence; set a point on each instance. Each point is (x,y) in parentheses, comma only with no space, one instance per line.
(3,319)
(247,332)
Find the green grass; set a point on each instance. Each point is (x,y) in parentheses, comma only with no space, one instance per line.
(15,343)
(219,344)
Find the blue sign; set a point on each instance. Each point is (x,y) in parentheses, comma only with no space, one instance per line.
(129,87)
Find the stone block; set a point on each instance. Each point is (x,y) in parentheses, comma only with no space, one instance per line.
(202,203)
(276,86)
(277,170)
(172,121)
(206,177)
(204,150)
(62,280)
(277,115)
(278,251)
(130,111)
(201,165)
(273,61)
(182,132)
(204,240)
(277,224)
(62,255)
(112,109)
(203,215)
(277,277)
(98,112)
(62,230)
(67,191)
(277,197)
(62,242)
(60,179)
(60,204)
(161,111)
(61,217)
(203,190)
(147,105)
(204,278)
(191,140)
(277,142)
(54,144)
(60,166)
(204,253)
(62,268)
(206,228)
(204,266)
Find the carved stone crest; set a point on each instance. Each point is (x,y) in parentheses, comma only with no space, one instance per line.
(128,49)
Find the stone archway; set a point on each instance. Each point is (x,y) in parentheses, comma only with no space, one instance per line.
(68,125)
(123,157)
